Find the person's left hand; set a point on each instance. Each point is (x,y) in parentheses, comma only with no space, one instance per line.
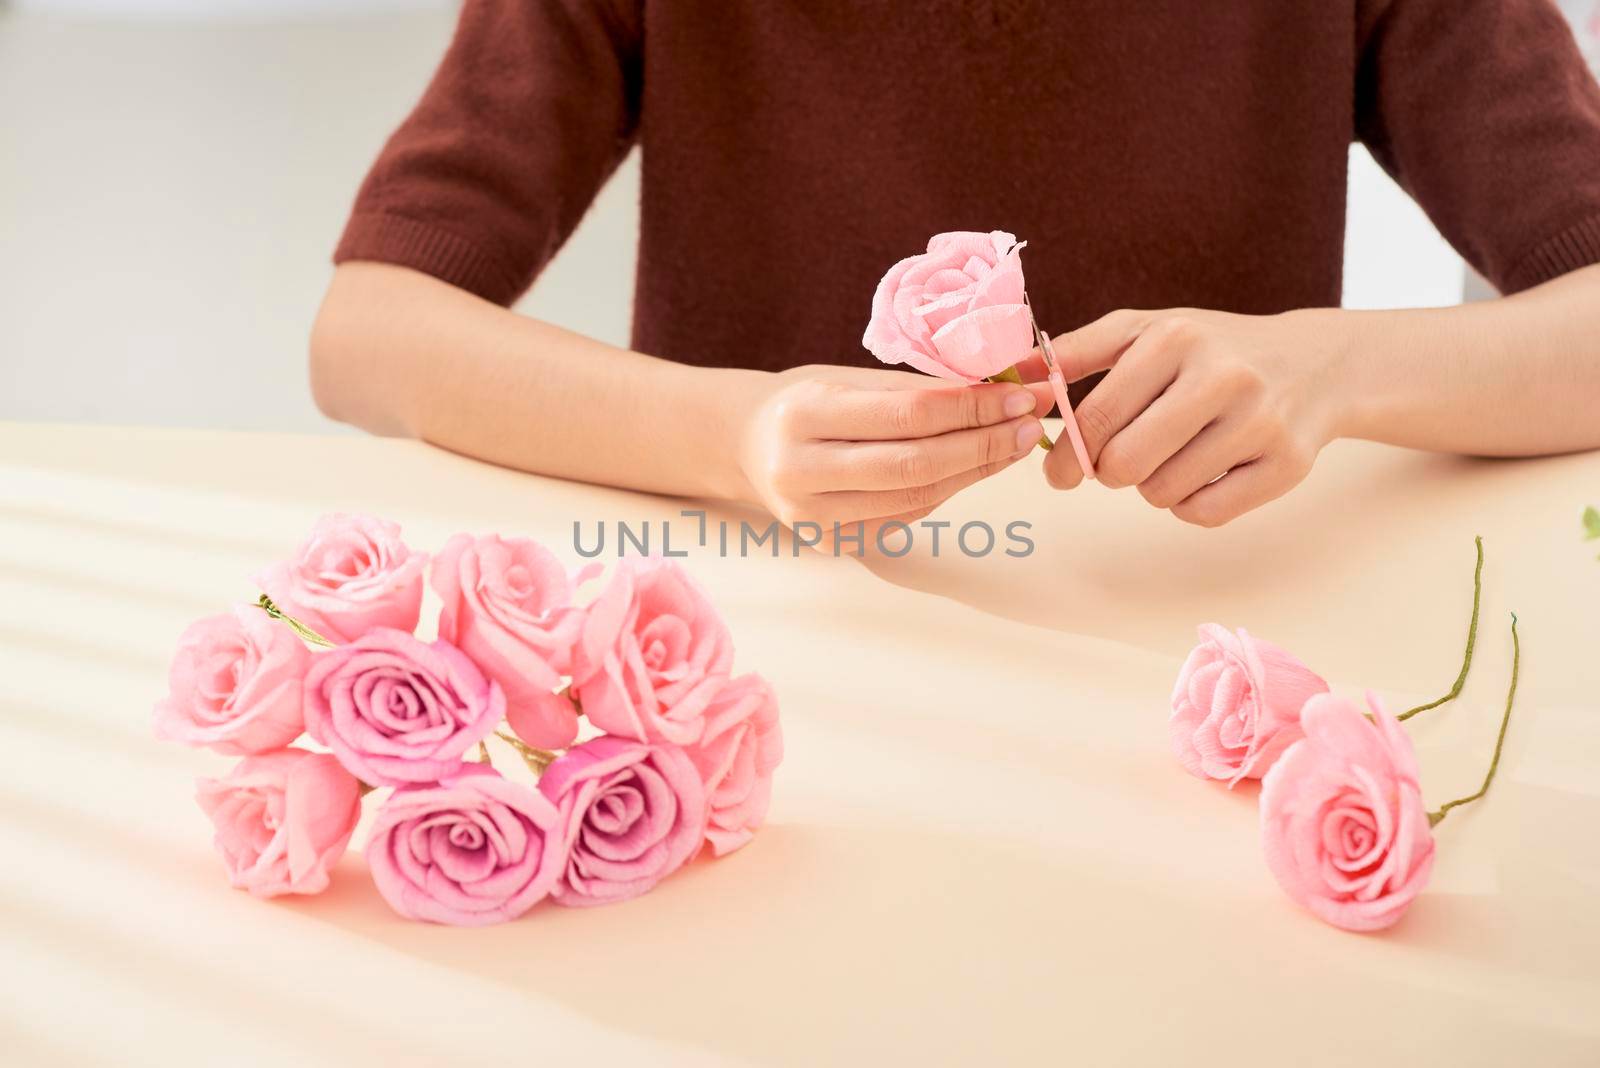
(1209,414)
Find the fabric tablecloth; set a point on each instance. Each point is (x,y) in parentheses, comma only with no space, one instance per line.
(981,848)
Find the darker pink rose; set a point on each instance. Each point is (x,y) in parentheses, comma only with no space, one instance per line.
(956,310)
(282,819)
(351,575)
(508,605)
(235,684)
(396,710)
(741,747)
(1343,825)
(652,655)
(471,850)
(1236,705)
(631,815)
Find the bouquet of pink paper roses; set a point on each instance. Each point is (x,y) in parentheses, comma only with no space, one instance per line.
(683,757)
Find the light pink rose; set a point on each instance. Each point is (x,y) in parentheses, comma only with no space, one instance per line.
(1342,820)
(631,815)
(472,850)
(282,820)
(352,574)
(397,710)
(653,654)
(1236,706)
(508,605)
(955,311)
(741,747)
(235,684)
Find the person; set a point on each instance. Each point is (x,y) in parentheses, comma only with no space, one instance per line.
(1179,176)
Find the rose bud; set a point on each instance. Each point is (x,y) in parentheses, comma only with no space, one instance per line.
(235,684)
(631,814)
(653,654)
(351,575)
(508,605)
(472,850)
(282,819)
(397,710)
(741,747)
(1236,705)
(955,311)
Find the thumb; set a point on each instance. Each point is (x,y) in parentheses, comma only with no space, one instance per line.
(1097,346)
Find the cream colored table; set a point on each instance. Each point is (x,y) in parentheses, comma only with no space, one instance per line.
(981,850)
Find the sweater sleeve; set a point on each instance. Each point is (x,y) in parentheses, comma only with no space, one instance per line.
(533,107)
(1484,111)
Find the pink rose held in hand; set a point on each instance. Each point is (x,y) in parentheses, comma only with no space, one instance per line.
(508,605)
(235,684)
(1236,706)
(282,820)
(955,311)
(397,710)
(470,851)
(352,574)
(1342,819)
(742,746)
(631,815)
(653,654)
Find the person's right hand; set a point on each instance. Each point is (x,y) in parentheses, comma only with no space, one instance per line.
(845,445)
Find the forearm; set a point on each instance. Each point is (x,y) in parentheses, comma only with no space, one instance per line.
(1519,376)
(397,352)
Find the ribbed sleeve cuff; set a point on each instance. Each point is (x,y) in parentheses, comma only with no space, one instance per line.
(1577,246)
(446,256)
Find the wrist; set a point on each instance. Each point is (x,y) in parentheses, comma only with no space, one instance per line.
(1347,398)
(735,395)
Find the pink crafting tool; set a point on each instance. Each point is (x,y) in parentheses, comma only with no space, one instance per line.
(1058,385)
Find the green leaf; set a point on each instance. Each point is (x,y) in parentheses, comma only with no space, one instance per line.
(1591,523)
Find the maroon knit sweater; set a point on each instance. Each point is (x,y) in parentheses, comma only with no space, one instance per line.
(1160,154)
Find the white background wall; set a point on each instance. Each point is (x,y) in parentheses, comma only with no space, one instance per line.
(171,189)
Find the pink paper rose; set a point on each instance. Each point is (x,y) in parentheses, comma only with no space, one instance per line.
(955,311)
(653,654)
(472,850)
(397,710)
(631,815)
(508,605)
(352,574)
(1342,819)
(282,820)
(741,747)
(1236,705)
(235,684)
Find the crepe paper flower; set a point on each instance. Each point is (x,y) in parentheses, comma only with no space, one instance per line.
(397,710)
(472,850)
(508,605)
(955,311)
(1343,825)
(282,819)
(741,747)
(1236,705)
(652,655)
(234,685)
(351,575)
(631,815)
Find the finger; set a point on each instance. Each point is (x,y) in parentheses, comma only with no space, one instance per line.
(1242,489)
(1061,468)
(1139,376)
(847,506)
(845,414)
(1157,434)
(1097,346)
(878,466)
(1215,450)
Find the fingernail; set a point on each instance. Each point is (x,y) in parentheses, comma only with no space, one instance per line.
(1029,433)
(1019,403)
